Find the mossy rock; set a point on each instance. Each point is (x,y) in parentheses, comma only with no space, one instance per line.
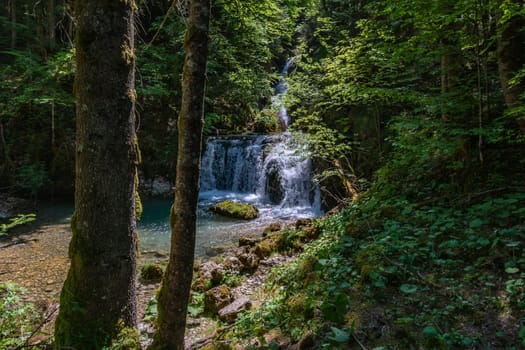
(217,298)
(151,272)
(236,209)
(268,245)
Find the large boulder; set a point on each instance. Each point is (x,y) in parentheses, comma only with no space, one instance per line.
(236,209)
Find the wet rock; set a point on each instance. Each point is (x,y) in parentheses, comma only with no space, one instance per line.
(249,240)
(274,187)
(217,298)
(236,209)
(214,251)
(229,313)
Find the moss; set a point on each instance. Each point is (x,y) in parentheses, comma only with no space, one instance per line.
(235,209)
(127,54)
(138,155)
(127,339)
(151,271)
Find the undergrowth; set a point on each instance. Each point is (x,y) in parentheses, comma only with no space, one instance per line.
(397,275)
(18,320)
(429,258)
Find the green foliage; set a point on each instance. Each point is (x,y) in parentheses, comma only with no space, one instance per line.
(17,320)
(31,177)
(18,220)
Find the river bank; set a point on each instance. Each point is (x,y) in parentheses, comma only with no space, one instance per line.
(37,262)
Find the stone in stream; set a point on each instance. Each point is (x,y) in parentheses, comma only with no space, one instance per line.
(236,209)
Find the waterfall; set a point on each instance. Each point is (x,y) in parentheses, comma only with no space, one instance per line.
(267,170)
(279,94)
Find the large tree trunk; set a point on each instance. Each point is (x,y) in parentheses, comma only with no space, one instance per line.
(174,293)
(98,296)
(511,58)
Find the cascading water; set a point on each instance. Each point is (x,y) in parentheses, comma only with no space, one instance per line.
(280,92)
(269,171)
(265,170)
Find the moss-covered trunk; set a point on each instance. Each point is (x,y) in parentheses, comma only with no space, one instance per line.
(98,296)
(174,293)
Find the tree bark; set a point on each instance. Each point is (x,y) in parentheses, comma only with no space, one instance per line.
(98,296)
(12,12)
(174,292)
(51,23)
(511,58)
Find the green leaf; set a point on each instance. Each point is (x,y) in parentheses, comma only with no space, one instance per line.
(512,270)
(430,332)
(339,335)
(477,223)
(408,288)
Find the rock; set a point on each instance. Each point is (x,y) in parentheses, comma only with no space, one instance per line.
(249,240)
(249,261)
(229,313)
(214,251)
(274,187)
(217,298)
(161,187)
(267,246)
(151,272)
(302,223)
(208,275)
(236,209)
(232,264)
(212,271)
(273,227)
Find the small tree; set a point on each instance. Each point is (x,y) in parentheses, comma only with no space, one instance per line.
(174,292)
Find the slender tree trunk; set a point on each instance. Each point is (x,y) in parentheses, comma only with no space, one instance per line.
(98,296)
(12,12)
(174,293)
(51,23)
(511,58)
